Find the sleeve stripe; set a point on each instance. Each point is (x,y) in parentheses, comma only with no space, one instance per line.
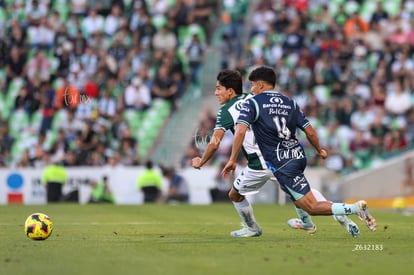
(243,122)
(306,125)
(219,128)
(257,108)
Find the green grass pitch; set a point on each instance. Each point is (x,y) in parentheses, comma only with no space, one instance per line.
(192,239)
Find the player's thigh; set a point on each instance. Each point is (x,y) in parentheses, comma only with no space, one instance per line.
(250,181)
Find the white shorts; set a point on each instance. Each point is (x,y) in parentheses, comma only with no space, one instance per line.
(249,181)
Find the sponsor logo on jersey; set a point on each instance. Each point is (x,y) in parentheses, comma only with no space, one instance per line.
(299,180)
(289,153)
(239,104)
(289,143)
(277,105)
(277,100)
(274,111)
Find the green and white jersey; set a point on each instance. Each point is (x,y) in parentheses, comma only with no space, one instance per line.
(226,120)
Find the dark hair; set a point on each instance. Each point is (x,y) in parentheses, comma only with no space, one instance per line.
(265,74)
(231,79)
(149,164)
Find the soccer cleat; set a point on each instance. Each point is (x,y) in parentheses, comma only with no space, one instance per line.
(247,232)
(296,223)
(364,215)
(348,224)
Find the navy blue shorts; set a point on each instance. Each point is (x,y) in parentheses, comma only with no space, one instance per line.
(291,178)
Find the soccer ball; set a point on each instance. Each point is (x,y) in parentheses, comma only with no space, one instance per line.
(38,226)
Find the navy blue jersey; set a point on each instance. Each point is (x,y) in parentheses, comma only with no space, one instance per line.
(274,119)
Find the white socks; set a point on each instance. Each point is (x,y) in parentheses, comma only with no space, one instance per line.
(245,211)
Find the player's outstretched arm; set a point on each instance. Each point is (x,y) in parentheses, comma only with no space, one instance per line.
(312,136)
(211,149)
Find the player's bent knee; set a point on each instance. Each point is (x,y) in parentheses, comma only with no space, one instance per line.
(235,196)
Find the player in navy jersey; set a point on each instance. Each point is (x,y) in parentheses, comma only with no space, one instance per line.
(274,118)
(229,93)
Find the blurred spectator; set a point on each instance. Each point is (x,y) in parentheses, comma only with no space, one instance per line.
(55,21)
(262,18)
(35,12)
(202,13)
(225,51)
(6,142)
(137,18)
(72,126)
(23,100)
(47,108)
(107,105)
(54,177)
(41,36)
(79,7)
(395,140)
(79,44)
(39,67)
(88,137)
(93,23)
(195,52)
(375,38)
(18,37)
(102,136)
(114,160)
(114,21)
(355,27)
(118,51)
(129,151)
(59,147)
(99,43)
(164,39)
(362,118)
(137,95)
(101,193)
(178,189)
(64,58)
(378,131)
(158,7)
(70,159)
(379,14)
(180,13)
(398,101)
(145,32)
(164,86)
(150,183)
(103,7)
(15,66)
(118,126)
(77,77)
(95,159)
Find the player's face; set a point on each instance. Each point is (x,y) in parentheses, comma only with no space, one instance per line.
(223,95)
(256,87)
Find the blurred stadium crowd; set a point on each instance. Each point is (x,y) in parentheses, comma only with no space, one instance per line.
(349,65)
(86,82)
